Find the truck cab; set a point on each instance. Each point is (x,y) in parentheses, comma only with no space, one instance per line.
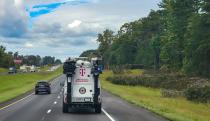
(82,87)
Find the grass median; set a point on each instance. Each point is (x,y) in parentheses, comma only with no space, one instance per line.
(3,70)
(12,86)
(175,109)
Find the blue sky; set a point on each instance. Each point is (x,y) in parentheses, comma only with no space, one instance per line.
(64,28)
(49,7)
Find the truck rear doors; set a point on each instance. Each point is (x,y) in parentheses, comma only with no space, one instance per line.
(82,85)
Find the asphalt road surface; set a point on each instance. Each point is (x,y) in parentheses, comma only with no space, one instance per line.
(49,108)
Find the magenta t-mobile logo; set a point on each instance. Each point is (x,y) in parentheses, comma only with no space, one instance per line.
(82,71)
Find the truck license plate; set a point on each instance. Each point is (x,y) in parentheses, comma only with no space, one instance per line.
(87,100)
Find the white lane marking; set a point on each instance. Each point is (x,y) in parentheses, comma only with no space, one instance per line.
(15,102)
(55,102)
(49,111)
(110,117)
(59,97)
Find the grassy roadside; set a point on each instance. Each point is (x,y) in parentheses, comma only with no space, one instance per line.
(176,109)
(3,70)
(45,68)
(12,86)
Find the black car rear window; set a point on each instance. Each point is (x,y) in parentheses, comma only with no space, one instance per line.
(43,83)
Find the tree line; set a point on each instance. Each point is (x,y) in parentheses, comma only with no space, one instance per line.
(7,59)
(176,37)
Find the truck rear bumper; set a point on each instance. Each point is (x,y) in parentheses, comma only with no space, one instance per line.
(81,105)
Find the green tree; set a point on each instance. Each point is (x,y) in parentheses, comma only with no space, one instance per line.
(105,40)
(6,59)
(197,49)
(58,61)
(177,15)
(90,53)
(48,60)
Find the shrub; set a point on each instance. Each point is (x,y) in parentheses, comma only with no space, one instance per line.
(171,93)
(134,66)
(136,80)
(172,84)
(164,69)
(198,93)
(150,81)
(118,69)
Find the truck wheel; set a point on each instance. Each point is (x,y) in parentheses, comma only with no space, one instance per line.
(98,108)
(65,108)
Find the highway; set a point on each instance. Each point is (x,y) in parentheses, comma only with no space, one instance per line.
(49,108)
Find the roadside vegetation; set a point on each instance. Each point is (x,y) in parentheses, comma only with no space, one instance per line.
(7,59)
(172,84)
(172,46)
(3,70)
(12,86)
(45,68)
(173,106)
(175,37)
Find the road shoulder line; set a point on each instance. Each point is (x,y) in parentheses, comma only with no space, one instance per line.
(15,102)
(24,96)
(109,116)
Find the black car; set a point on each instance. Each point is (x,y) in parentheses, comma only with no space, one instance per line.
(42,87)
(12,70)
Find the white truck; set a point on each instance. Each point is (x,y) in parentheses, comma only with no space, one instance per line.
(32,68)
(82,86)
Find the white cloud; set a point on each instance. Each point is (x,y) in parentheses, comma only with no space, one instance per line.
(13,18)
(29,45)
(69,29)
(74,24)
(18,2)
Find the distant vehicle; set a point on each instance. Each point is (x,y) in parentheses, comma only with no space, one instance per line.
(23,69)
(53,68)
(82,87)
(42,87)
(49,70)
(12,70)
(33,69)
